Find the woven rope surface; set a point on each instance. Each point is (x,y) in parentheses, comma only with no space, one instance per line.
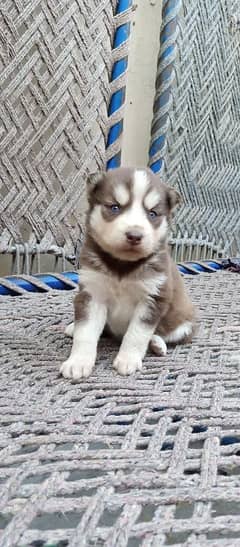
(145,461)
(200,118)
(55,65)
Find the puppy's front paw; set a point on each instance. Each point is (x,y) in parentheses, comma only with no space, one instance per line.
(127,363)
(77,367)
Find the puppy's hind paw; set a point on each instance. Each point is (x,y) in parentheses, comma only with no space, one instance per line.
(158,346)
(69,330)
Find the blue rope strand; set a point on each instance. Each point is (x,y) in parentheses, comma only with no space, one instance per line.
(118,97)
(192,268)
(165,73)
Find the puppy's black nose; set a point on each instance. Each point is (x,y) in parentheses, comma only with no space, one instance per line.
(134,237)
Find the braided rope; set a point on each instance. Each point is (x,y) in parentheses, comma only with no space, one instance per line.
(118,81)
(164,84)
(14,285)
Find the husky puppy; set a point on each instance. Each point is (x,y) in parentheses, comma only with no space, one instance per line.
(128,282)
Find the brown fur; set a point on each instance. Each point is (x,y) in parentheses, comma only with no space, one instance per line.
(180,308)
(101,191)
(81,302)
(173,306)
(95,258)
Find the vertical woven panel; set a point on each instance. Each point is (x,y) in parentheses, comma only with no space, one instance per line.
(195,128)
(55,65)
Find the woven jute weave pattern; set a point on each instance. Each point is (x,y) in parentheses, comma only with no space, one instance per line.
(55,67)
(201,119)
(145,461)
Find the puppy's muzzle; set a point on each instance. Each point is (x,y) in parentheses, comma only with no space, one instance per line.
(134,237)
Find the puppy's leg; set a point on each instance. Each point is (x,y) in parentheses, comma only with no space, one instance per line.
(69,330)
(90,318)
(135,342)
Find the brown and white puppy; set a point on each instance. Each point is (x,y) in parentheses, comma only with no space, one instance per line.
(127,278)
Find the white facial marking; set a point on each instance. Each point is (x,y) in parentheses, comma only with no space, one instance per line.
(135,216)
(179,333)
(140,185)
(152,199)
(122,194)
(111,236)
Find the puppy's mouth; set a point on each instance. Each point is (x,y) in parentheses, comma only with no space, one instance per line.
(135,248)
(124,250)
(132,251)
(134,244)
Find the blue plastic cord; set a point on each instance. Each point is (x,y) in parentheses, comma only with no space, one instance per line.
(49,279)
(121,35)
(53,282)
(195,268)
(170,11)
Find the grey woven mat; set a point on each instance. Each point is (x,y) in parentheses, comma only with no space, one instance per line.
(150,460)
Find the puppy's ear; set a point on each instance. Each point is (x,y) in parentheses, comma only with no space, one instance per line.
(173,198)
(93,180)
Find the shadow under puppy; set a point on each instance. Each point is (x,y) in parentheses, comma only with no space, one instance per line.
(127,279)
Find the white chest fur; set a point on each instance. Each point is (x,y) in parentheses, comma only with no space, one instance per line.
(120,296)
(122,301)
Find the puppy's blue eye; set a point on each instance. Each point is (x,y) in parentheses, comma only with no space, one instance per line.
(115,208)
(152,214)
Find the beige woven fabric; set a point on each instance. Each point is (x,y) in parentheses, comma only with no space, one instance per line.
(55,67)
(146,461)
(198,81)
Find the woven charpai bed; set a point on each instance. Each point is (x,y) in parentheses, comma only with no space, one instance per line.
(150,460)
(153,459)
